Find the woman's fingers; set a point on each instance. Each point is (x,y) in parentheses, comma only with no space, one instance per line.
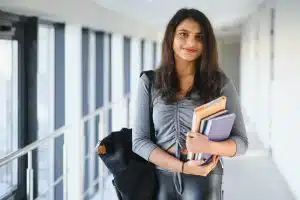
(196,168)
(194,162)
(191,134)
(215,160)
(211,165)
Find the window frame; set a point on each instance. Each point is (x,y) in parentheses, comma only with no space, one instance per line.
(23,27)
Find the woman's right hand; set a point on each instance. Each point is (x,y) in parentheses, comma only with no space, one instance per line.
(194,167)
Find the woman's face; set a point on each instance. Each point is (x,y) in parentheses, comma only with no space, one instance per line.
(188,43)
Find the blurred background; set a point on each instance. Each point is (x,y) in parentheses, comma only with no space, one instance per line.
(68,76)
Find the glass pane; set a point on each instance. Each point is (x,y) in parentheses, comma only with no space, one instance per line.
(45,108)
(9,112)
(44,196)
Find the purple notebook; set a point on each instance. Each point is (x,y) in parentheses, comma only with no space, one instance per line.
(218,129)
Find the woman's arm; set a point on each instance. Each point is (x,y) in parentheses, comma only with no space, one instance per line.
(224,148)
(197,142)
(141,138)
(163,159)
(194,167)
(237,144)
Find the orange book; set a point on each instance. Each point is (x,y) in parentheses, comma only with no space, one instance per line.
(203,111)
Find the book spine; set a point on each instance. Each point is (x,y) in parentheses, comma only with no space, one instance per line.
(191,155)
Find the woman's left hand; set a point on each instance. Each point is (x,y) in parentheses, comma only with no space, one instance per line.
(197,143)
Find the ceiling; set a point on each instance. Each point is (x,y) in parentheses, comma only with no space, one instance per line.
(140,18)
(222,13)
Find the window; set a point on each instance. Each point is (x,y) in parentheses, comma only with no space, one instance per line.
(85,106)
(59,104)
(50,109)
(99,97)
(92,98)
(126,59)
(9,112)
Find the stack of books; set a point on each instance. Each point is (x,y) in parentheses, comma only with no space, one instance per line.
(213,120)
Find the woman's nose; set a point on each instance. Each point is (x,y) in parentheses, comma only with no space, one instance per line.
(191,41)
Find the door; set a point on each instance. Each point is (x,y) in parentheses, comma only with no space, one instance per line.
(10,102)
(271,83)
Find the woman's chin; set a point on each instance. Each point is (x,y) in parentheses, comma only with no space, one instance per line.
(188,58)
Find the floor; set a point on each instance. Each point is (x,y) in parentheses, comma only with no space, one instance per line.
(250,177)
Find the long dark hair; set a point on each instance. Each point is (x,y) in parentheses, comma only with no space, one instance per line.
(208,77)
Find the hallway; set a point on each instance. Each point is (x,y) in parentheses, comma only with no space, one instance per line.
(68,80)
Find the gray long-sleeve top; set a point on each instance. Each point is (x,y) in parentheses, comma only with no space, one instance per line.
(173,121)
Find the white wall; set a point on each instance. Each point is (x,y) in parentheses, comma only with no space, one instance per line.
(286,92)
(229,57)
(148,55)
(158,53)
(263,73)
(272,105)
(255,73)
(74,135)
(92,104)
(106,80)
(247,76)
(256,68)
(135,58)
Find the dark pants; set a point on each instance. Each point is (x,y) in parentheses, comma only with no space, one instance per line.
(194,187)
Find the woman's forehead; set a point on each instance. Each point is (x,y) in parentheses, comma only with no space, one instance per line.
(189,25)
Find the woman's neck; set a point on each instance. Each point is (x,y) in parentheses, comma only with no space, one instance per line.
(185,72)
(185,68)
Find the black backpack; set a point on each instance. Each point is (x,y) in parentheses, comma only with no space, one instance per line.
(134,178)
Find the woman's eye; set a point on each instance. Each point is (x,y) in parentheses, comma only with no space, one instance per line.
(183,34)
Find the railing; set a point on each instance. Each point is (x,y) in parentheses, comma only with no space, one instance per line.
(28,150)
(101,113)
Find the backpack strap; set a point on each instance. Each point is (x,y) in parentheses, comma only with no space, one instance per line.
(150,74)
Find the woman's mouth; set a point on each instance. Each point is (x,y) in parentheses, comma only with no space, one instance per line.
(190,50)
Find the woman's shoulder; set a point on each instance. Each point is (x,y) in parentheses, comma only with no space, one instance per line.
(227,84)
(222,77)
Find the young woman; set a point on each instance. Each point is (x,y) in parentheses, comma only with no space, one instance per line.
(189,76)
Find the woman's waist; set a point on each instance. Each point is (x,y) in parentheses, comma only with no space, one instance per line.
(184,157)
(170,144)
(173,150)
(217,170)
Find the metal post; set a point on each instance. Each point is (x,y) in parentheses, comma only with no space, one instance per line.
(82,173)
(128,110)
(51,169)
(65,173)
(101,129)
(29,177)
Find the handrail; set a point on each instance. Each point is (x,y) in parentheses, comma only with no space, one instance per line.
(18,153)
(106,107)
